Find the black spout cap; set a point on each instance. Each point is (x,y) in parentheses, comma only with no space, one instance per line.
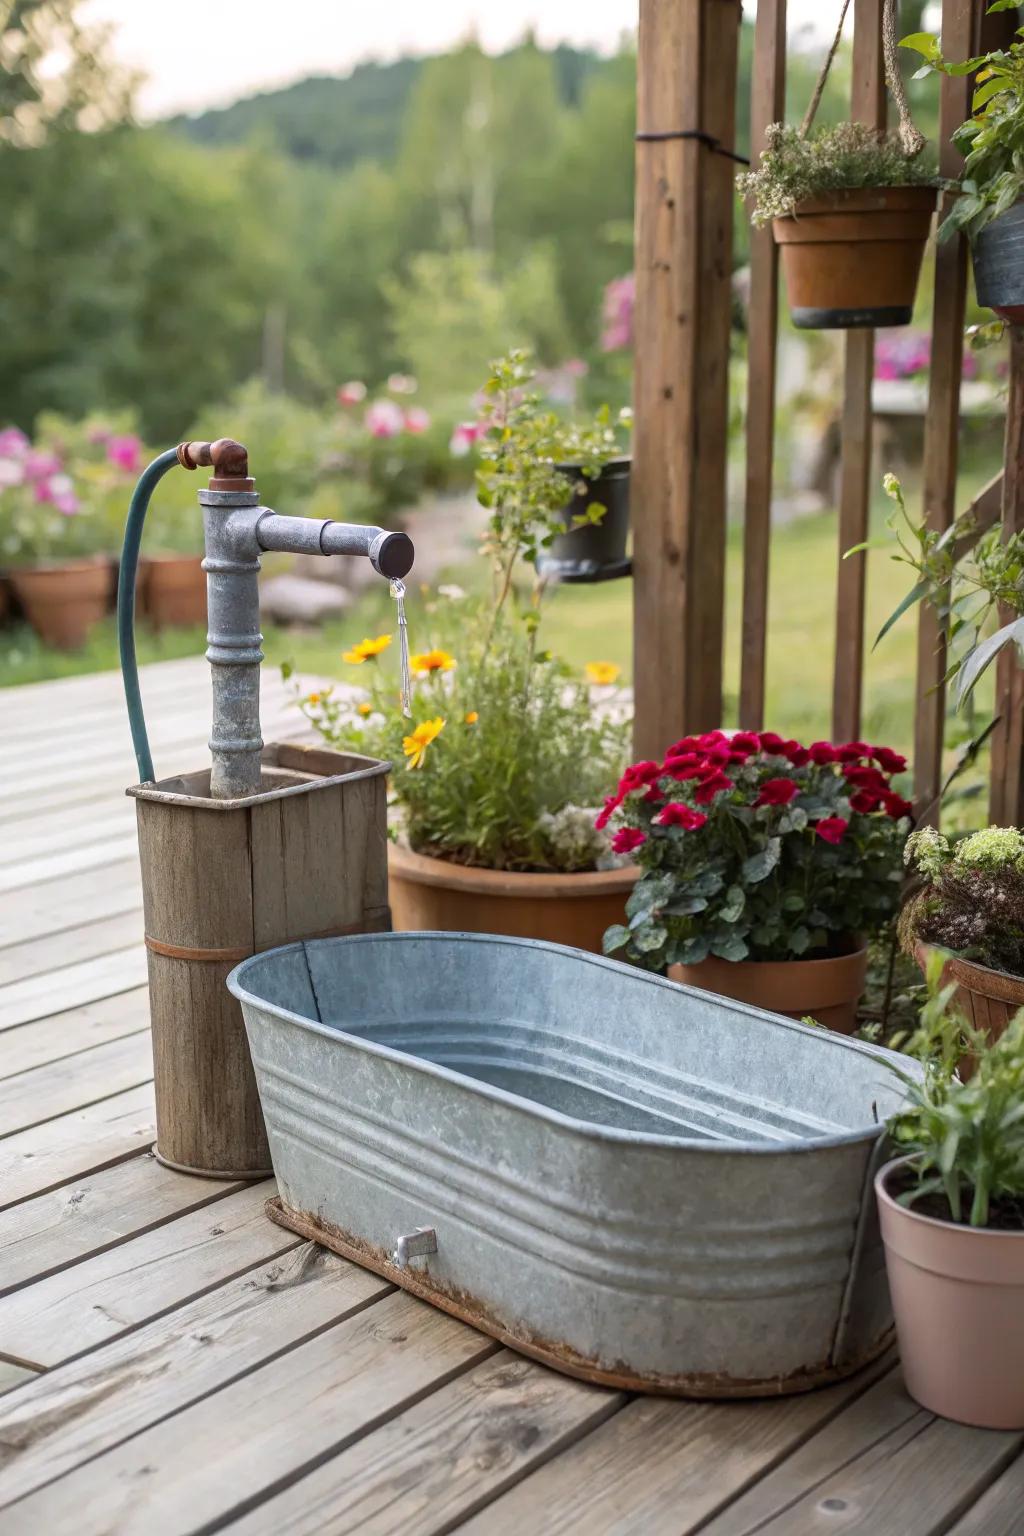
(392,555)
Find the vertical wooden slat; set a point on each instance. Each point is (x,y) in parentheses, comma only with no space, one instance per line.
(684,202)
(1006,785)
(942,420)
(767,105)
(867,105)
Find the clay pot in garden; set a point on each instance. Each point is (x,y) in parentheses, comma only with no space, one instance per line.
(826,990)
(852,259)
(433,895)
(998,255)
(592,551)
(988,998)
(958,1298)
(63,602)
(174,591)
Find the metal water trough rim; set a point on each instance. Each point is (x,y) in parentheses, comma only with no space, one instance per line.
(588,1128)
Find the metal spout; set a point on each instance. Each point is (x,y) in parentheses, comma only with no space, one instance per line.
(238,531)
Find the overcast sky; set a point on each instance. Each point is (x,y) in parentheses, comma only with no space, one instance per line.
(199,53)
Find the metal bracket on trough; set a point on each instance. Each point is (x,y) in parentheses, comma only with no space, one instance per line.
(415,1245)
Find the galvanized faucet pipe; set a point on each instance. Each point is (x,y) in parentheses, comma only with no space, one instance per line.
(238,530)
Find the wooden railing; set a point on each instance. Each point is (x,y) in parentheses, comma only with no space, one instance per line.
(687,82)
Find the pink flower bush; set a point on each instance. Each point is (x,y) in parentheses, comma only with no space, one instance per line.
(464,437)
(384,419)
(352,393)
(417,420)
(125,453)
(13,443)
(617,314)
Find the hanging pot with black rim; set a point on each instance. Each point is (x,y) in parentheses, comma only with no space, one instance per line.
(592,551)
(998,254)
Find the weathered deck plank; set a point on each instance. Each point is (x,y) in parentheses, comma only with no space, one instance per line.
(71,986)
(84,1141)
(74,1029)
(42,1093)
(78,1308)
(94,1212)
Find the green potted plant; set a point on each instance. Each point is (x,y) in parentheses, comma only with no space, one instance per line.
(852,212)
(951,1209)
(969,905)
(766,865)
(56,535)
(504,756)
(990,208)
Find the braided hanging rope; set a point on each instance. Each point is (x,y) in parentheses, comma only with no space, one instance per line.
(819,87)
(911,137)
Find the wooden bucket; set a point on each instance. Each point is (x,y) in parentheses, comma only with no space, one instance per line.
(222,880)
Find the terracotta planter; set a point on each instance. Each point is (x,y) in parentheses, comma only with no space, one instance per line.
(958,1298)
(174,591)
(63,602)
(998,256)
(988,998)
(433,895)
(827,990)
(852,260)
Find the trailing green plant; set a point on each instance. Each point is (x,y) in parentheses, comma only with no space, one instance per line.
(504,757)
(972,899)
(992,139)
(965,1139)
(753,847)
(794,167)
(966,578)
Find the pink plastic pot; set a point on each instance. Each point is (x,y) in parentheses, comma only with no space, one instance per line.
(958,1300)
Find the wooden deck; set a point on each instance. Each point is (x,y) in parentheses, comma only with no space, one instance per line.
(171,1362)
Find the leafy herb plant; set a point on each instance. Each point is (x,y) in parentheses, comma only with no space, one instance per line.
(795,168)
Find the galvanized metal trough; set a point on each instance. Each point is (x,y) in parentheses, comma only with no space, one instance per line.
(639,1183)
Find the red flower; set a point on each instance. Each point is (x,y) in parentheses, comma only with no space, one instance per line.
(681,747)
(639,775)
(628,838)
(611,803)
(822,753)
(710,739)
(831,829)
(720,755)
(850,751)
(896,806)
(777,792)
(770,742)
(865,777)
(797,754)
(887,759)
(745,741)
(685,767)
(676,814)
(865,801)
(712,785)
(654,795)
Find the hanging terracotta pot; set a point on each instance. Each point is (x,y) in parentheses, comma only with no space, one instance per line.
(852,259)
(958,1298)
(429,894)
(988,998)
(998,255)
(592,551)
(174,591)
(825,990)
(63,602)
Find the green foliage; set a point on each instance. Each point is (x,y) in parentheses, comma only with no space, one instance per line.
(966,578)
(992,139)
(966,1139)
(56,72)
(753,849)
(507,741)
(794,168)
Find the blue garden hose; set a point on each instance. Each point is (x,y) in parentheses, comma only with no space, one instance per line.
(148,481)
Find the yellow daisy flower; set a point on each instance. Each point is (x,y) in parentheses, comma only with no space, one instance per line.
(472,717)
(366,649)
(415,746)
(431,661)
(602,673)
(314,698)
(364,709)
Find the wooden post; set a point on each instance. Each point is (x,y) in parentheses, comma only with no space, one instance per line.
(684,211)
(767,106)
(868,105)
(942,420)
(1006,784)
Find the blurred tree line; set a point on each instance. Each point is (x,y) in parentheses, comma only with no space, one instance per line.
(421,216)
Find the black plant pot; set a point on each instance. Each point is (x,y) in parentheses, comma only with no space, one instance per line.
(998,253)
(592,551)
